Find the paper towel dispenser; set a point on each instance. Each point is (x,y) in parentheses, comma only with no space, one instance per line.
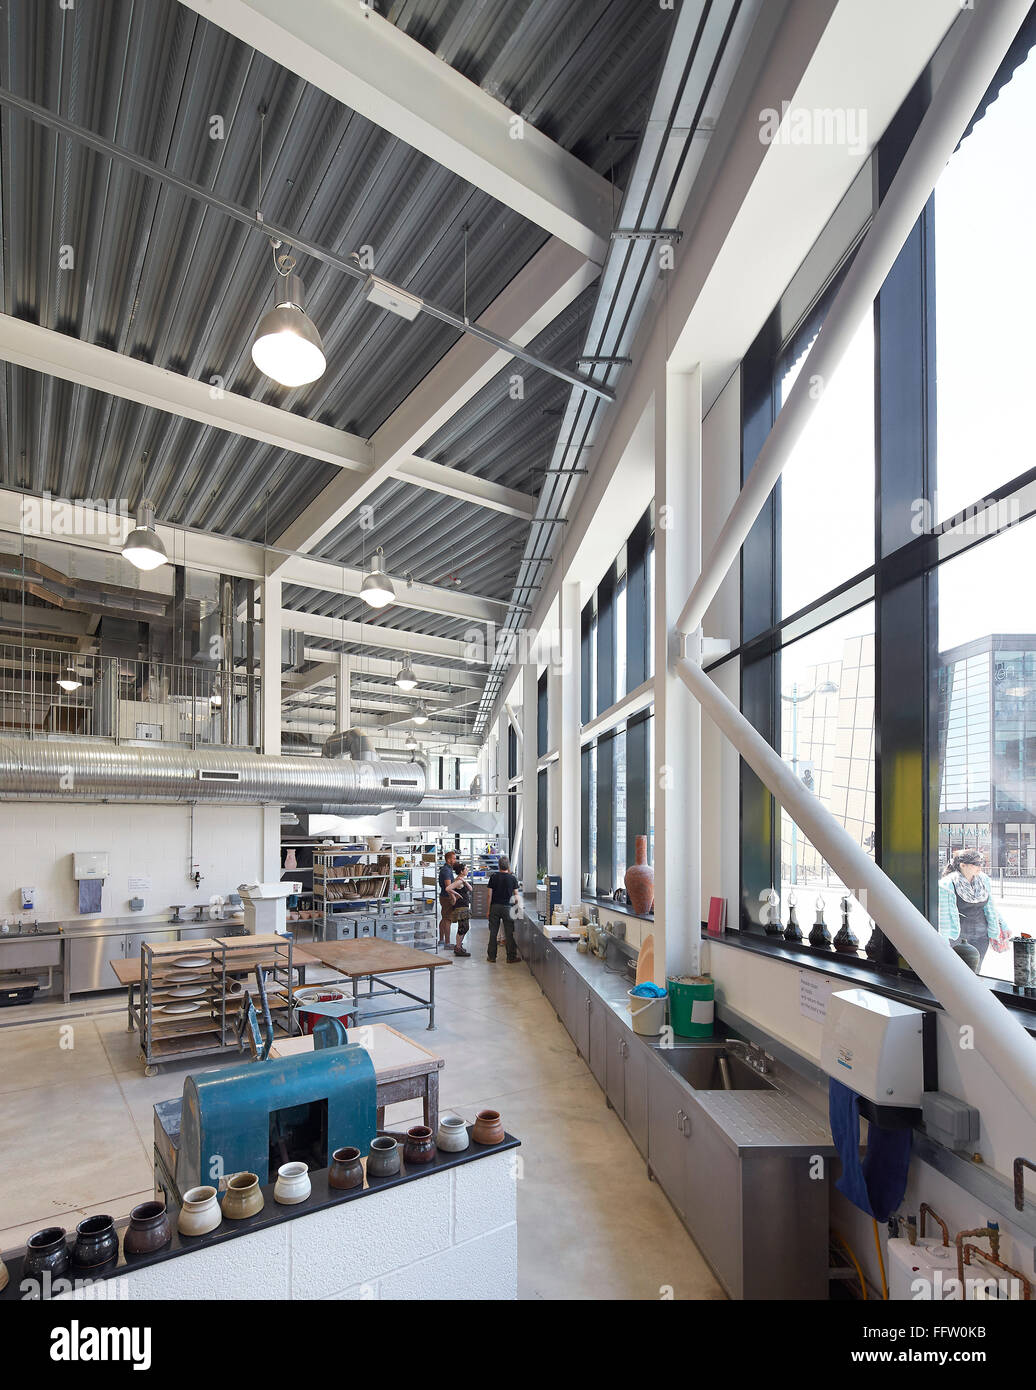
(91,864)
(874,1046)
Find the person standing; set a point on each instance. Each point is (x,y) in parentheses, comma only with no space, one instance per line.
(447,898)
(461,888)
(503,896)
(966,909)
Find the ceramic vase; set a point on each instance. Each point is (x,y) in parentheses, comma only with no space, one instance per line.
(346,1169)
(199,1213)
(383,1159)
(148,1230)
(420,1145)
(488,1128)
(452,1135)
(640,880)
(96,1243)
(4,1276)
(968,953)
(243,1197)
(46,1251)
(292,1185)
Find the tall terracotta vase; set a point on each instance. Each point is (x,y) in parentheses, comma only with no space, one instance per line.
(640,880)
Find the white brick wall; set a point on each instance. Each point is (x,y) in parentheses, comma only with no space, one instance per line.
(451,1235)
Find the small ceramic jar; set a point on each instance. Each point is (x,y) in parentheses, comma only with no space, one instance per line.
(199,1213)
(292,1185)
(243,1197)
(96,1243)
(4,1276)
(346,1169)
(148,1229)
(420,1145)
(488,1128)
(46,1250)
(383,1159)
(452,1134)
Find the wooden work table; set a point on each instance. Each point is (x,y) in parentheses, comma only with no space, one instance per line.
(372,960)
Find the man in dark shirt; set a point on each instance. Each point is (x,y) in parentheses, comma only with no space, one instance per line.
(447,898)
(503,895)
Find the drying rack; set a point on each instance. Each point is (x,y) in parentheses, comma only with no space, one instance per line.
(215,971)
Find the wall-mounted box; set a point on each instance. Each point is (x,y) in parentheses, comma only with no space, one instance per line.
(91,863)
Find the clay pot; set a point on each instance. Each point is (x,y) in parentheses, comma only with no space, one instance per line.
(640,880)
(420,1145)
(488,1128)
(243,1197)
(968,953)
(46,1251)
(96,1243)
(383,1159)
(149,1229)
(292,1185)
(199,1213)
(4,1276)
(452,1136)
(346,1169)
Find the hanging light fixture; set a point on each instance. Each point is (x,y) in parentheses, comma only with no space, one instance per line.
(70,680)
(405,678)
(143,546)
(287,346)
(421,717)
(376,588)
(411,741)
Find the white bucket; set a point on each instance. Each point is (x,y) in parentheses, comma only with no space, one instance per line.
(647,1016)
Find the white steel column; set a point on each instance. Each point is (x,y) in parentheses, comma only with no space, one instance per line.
(568,814)
(529,784)
(343,701)
(271,664)
(677,769)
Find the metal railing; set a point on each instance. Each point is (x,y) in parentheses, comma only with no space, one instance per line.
(127,701)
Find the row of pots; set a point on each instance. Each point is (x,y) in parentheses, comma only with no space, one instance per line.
(96,1243)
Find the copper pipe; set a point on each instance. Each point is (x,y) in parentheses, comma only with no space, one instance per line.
(992,1259)
(1020,1164)
(994,1244)
(926,1210)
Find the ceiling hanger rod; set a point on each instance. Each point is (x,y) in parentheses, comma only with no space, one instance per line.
(345,264)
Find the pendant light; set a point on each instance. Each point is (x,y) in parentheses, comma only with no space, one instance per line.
(421,717)
(411,741)
(143,546)
(405,678)
(376,588)
(70,680)
(287,346)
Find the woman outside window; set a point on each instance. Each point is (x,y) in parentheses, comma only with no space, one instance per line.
(966,910)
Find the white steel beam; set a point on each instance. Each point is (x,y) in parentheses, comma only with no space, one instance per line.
(554,277)
(374,68)
(432,675)
(438,477)
(370,635)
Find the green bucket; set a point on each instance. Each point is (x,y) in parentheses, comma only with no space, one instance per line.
(691,1007)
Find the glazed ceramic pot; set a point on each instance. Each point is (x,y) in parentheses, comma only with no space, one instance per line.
(968,954)
(346,1169)
(292,1185)
(452,1135)
(200,1212)
(4,1276)
(96,1242)
(383,1159)
(148,1230)
(488,1128)
(46,1250)
(243,1197)
(640,880)
(420,1145)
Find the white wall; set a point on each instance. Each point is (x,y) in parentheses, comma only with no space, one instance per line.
(148,841)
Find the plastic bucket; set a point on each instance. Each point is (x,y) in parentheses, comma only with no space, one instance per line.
(647,1016)
(322,1002)
(691,1007)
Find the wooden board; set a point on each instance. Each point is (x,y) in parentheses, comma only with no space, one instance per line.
(372,957)
(394,1055)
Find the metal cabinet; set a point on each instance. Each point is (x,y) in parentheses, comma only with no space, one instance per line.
(576,1000)
(712,1200)
(668,1126)
(615,1065)
(625,1080)
(551,980)
(598,1029)
(87,957)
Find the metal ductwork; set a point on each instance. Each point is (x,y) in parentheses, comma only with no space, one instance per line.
(350,744)
(38,769)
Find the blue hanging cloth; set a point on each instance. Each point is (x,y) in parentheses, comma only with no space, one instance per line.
(875,1185)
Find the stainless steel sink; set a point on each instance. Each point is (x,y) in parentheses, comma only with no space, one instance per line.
(700,1068)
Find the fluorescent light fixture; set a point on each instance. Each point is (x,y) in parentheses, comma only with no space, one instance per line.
(143,546)
(287,346)
(69,681)
(376,588)
(405,679)
(421,717)
(391,297)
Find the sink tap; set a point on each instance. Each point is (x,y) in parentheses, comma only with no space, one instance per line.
(752,1055)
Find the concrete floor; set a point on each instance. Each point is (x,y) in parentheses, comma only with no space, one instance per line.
(76,1132)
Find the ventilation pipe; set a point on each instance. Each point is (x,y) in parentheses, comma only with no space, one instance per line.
(350,744)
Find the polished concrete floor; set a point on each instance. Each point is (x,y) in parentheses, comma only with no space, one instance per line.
(76,1131)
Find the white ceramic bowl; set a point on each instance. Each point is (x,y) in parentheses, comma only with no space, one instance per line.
(200,1212)
(293,1184)
(452,1134)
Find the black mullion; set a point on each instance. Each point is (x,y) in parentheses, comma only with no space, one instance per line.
(606,813)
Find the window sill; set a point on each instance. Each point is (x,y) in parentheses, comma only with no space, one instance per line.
(606,904)
(888,980)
